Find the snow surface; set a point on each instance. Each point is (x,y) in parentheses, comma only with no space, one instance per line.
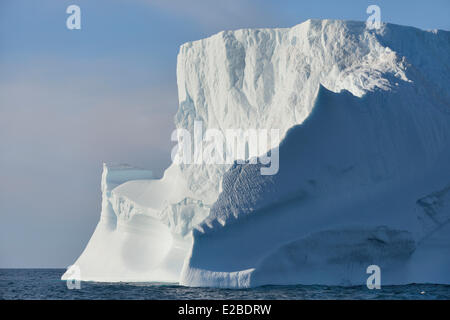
(364,117)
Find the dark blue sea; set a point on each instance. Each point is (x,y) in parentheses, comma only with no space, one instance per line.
(46,284)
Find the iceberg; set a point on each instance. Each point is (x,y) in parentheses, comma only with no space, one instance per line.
(364,157)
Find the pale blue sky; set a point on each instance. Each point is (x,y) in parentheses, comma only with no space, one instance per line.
(70,100)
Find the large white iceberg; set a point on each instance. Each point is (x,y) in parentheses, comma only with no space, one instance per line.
(363,175)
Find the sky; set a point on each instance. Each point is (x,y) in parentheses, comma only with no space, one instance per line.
(73,99)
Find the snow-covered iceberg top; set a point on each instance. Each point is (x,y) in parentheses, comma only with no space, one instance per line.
(364,121)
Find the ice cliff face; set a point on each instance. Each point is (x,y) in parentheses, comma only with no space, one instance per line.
(269,78)
(366,114)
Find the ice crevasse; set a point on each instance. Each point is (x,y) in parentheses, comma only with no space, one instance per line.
(364,165)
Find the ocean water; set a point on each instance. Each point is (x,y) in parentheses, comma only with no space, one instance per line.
(46,284)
